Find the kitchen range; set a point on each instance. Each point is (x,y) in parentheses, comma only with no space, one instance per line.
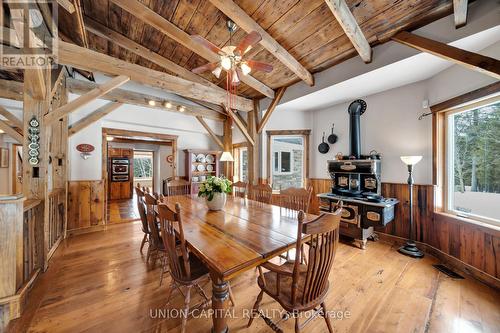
(356,182)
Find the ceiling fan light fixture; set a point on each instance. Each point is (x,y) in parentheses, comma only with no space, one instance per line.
(217,71)
(245,69)
(225,63)
(235,78)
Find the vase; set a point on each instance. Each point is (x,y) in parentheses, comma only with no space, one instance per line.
(217,202)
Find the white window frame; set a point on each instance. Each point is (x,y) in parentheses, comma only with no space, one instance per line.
(280,168)
(448,185)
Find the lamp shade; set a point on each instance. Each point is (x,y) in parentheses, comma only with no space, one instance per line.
(411,160)
(226,157)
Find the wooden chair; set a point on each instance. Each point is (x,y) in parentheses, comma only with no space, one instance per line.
(186,269)
(292,201)
(240,189)
(142,213)
(178,187)
(261,193)
(299,288)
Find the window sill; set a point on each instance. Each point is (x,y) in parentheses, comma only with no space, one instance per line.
(490,226)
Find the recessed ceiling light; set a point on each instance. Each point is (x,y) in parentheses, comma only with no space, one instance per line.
(1,131)
(109,138)
(181,108)
(168,105)
(152,103)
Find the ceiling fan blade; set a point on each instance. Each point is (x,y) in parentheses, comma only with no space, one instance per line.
(207,44)
(248,42)
(205,68)
(259,66)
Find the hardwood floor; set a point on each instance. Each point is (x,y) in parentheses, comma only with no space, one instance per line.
(99,282)
(124,210)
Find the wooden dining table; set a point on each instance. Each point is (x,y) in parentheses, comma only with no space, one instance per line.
(244,235)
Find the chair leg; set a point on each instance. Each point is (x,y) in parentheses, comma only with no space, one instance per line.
(148,254)
(169,291)
(163,267)
(255,307)
(144,239)
(327,319)
(297,325)
(231,297)
(187,300)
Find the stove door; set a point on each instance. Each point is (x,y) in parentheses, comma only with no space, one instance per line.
(350,214)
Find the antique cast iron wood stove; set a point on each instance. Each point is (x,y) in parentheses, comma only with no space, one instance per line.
(356,182)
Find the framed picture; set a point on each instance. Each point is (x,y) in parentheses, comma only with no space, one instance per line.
(4,158)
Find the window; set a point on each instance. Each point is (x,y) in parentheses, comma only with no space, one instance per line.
(472,161)
(287,156)
(143,164)
(240,154)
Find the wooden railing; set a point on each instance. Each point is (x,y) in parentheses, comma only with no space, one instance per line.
(56,212)
(33,239)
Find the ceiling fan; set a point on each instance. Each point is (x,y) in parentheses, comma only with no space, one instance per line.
(232,57)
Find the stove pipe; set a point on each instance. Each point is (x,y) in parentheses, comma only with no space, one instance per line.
(356,109)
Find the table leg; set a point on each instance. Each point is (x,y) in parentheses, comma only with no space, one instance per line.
(220,296)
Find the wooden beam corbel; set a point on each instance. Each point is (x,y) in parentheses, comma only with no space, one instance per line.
(10,117)
(85,99)
(270,109)
(212,133)
(11,90)
(240,125)
(11,132)
(67,5)
(351,28)
(460,12)
(93,117)
(471,60)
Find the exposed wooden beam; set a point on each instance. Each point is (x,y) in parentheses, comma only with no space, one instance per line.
(10,117)
(157,21)
(85,99)
(271,109)
(93,117)
(240,125)
(80,57)
(474,61)
(81,87)
(460,12)
(79,23)
(212,133)
(67,5)
(243,121)
(8,36)
(11,132)
(351,28)
(128,44)
(56,78)
(211,106)
(11,90)
(242,19)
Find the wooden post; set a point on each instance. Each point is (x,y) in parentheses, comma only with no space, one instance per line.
(11,255)
(253,151)
(228,146)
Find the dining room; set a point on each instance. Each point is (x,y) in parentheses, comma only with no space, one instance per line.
(249,166)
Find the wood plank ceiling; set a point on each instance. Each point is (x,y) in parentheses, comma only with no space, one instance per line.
(306,28)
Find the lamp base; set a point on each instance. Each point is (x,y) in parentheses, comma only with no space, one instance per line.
(411,250)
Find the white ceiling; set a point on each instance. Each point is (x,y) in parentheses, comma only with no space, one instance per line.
(413,69)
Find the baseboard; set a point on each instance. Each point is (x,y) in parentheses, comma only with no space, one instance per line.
(13,306)
(448,260)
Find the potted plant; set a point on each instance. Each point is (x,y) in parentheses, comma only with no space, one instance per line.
(215,190)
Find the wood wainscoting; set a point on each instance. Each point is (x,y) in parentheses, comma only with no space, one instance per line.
(86,209)
(472,248)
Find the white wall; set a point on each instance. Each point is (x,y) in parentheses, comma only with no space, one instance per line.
(191,135)
(390,126)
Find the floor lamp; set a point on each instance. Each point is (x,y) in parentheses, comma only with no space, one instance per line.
(227,157)
(410,248)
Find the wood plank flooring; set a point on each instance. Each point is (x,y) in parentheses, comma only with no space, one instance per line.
(125,210)
(99,282)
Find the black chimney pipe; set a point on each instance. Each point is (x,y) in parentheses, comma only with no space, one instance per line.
(356,109)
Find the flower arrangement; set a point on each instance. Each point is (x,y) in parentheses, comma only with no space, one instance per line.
(213,185)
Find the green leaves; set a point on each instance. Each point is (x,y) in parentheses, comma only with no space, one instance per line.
(214,185)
